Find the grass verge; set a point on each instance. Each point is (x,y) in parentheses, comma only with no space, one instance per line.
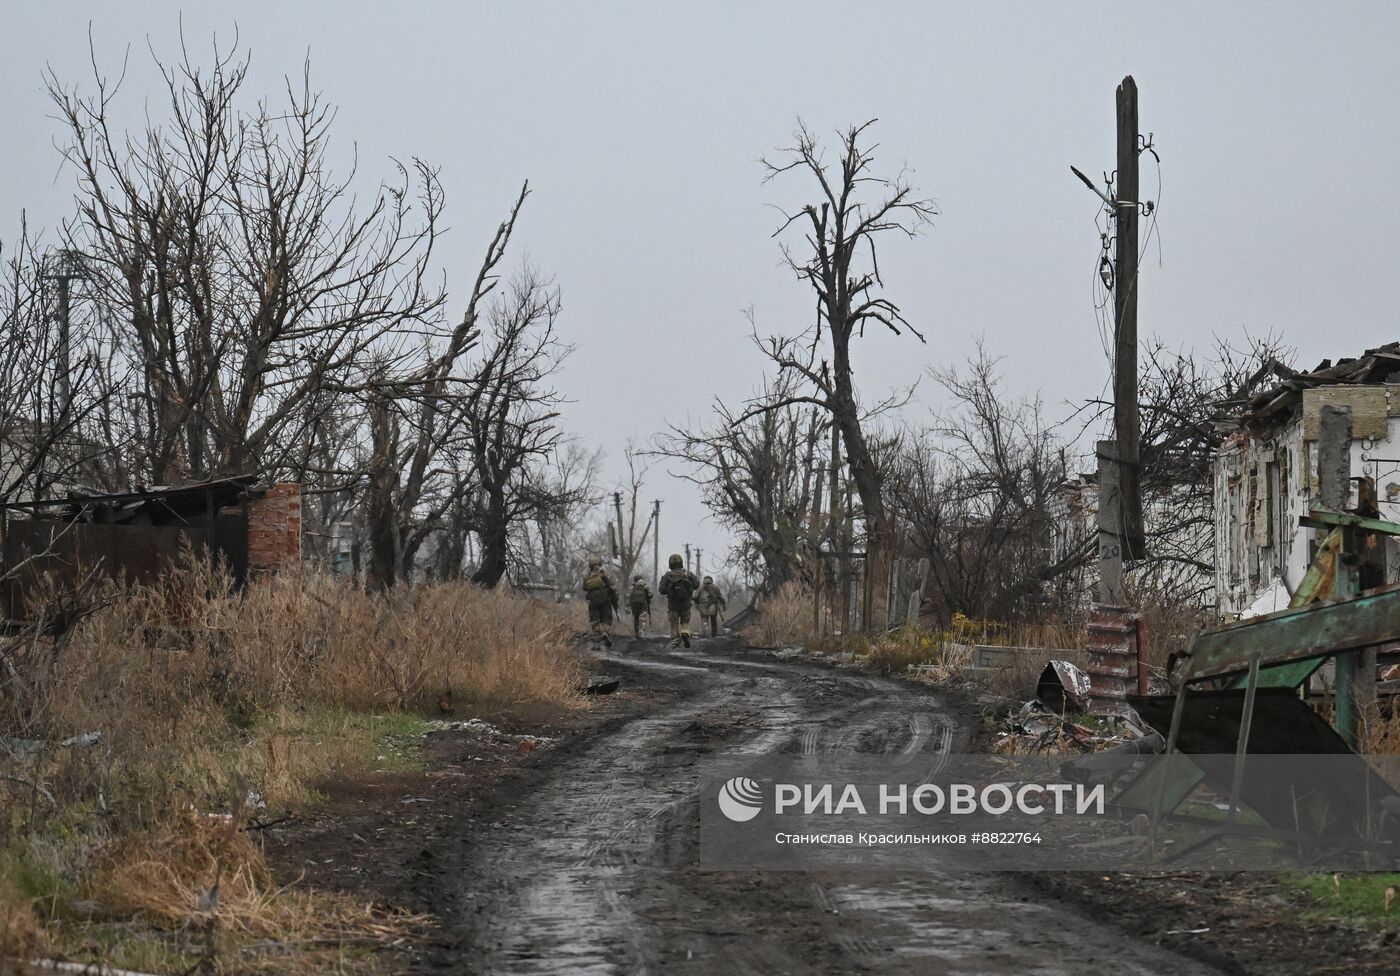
(138,747)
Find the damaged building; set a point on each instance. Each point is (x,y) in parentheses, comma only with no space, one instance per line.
(1266,472)
(249,527)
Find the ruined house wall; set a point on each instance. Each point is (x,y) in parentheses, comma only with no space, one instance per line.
(1265,481)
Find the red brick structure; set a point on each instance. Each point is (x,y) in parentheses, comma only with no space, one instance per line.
(274,530)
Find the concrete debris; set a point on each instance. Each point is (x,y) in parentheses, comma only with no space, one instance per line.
(486,730)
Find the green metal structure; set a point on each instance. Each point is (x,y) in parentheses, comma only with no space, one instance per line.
(1280,650)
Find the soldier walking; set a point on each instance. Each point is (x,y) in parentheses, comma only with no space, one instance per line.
(639,602)
(711,603)
(678,586)
(602,601)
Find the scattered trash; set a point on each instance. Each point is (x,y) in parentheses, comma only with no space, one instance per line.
(85,740)
(25,749)
(486,730)
(602,684)
(1036,727)
(1062,685)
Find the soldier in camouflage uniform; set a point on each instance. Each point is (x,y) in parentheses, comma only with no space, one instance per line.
(678,586)
(711,603)
(602,601)
(639,602)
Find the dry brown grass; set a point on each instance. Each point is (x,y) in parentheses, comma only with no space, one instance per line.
(176,675)
(785,620)
(20,934)
(198,867)
(201,694)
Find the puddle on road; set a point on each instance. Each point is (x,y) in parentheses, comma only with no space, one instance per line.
(597,881)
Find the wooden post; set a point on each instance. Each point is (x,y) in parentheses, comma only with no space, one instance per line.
(1126,423)
(814,532)
(1354,677)
(656,542)
(916,599)
(892,586)
(868,587)
(624,544)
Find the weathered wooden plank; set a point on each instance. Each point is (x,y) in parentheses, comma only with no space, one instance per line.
(1295,635)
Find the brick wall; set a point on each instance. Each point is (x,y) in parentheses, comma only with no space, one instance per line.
(274,530)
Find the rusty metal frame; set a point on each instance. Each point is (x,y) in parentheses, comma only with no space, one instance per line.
(1301,636)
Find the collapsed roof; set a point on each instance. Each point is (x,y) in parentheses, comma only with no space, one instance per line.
(1261,405)
(156,505)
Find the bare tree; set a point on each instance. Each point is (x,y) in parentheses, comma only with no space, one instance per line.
(243,277)
(420,467)
(759,471)
(635,528)
(568,529)
(52,383)
(1181,394)
(978,492)
(853,211)
(510,420)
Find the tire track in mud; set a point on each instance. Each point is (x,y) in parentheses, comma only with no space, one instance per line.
(596,873)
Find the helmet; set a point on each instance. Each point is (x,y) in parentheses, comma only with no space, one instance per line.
(594,562)
(637,579)
(709,579)
(676,561)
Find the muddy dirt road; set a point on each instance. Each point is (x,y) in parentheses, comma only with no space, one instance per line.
(592,869)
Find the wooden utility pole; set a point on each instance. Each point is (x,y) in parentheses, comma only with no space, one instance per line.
(65,267)
(1113,645)
(1127,426)
(624,544)
(656,541)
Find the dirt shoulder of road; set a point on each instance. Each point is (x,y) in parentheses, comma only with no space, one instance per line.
(1243,924)
(399,836)
(402,837)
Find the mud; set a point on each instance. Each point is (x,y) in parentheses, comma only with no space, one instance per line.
(593,869)
(580,856)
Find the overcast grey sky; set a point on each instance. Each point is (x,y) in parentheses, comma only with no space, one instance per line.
(639,126)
